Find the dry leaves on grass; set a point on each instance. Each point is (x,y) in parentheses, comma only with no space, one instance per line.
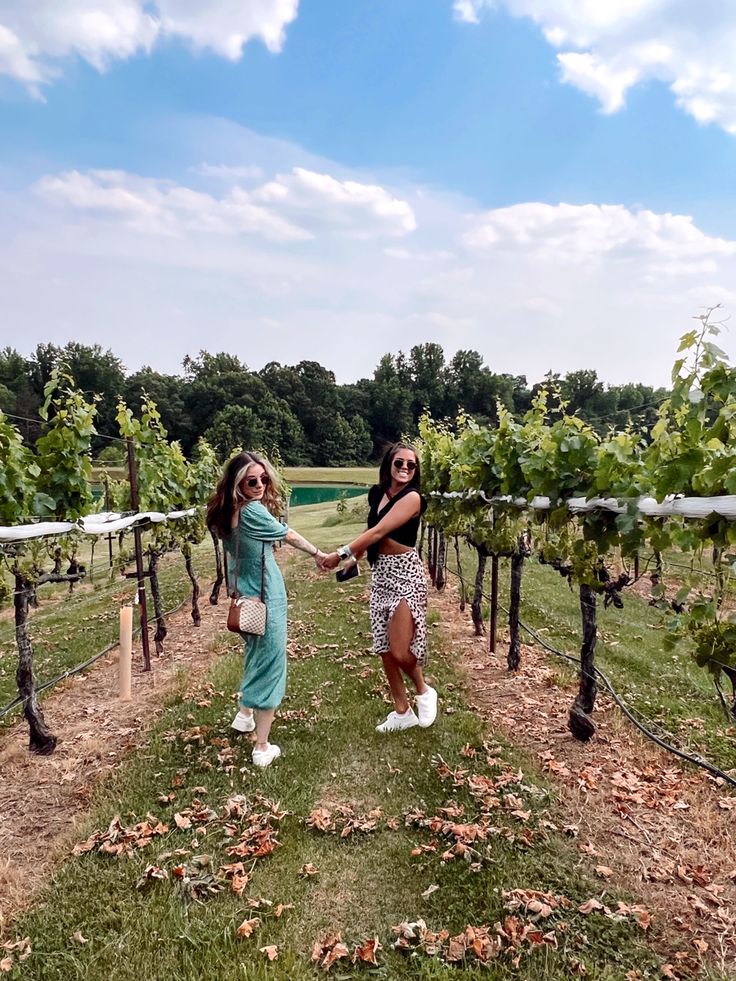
(151,875)
(343,820)
(329,949)
(247,927)
(366,951)
(476,943)
(119,840)
(20,949)
(271,951)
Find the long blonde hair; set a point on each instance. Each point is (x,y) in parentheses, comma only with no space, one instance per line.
(227,498)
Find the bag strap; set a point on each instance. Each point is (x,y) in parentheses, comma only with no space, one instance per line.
(235,594)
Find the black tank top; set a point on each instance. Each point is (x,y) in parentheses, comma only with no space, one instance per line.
(406,534)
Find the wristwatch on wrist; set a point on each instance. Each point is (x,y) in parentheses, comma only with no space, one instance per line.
(344,552)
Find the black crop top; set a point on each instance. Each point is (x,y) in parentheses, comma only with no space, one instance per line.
(405,534)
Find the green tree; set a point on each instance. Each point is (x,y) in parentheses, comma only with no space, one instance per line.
(169,392)
(96,373)
(428,378)
(391,404)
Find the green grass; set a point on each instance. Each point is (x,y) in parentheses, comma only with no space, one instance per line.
(366,884)
(665,687)
(331,475)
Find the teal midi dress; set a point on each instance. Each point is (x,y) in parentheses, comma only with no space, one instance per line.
(264,675)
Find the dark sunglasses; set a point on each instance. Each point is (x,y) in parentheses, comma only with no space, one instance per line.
(409,464)
(264,480)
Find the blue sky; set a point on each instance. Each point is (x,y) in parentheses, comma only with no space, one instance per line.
(289,179)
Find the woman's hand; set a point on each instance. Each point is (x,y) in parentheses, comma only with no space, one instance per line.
(329,562)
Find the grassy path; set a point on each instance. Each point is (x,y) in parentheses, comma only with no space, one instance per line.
(406,802)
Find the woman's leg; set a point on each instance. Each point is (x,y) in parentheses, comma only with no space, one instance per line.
(400,635)
(395,682)
(264,720)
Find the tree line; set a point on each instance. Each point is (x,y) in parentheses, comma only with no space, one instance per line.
(300,409)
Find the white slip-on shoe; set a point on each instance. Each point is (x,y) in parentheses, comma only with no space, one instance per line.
(427,707)
(243,722)
(395,722)
(265,757)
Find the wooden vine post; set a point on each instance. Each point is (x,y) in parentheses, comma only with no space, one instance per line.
(220,571)
(139,572)
(513,658)
(441,561)
(42,741)
(161,631)
(196,615)
(579,722)
(493,627)
(476,607)
(460,575)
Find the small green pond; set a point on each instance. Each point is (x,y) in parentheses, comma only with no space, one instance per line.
(323,493)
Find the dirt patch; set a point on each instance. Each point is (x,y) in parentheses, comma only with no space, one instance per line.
(666,833)
(44,798)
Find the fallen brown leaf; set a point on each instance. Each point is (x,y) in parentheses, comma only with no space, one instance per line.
(247,927)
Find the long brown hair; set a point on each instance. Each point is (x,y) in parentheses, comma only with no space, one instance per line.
(384,474)
(227,498)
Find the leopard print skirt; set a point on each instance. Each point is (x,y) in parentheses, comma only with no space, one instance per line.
(396,578)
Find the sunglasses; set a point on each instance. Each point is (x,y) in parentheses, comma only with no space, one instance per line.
(264,480)
(410,465)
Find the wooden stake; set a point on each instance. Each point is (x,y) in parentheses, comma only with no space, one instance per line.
(494,603)
(134,503)
(126,653)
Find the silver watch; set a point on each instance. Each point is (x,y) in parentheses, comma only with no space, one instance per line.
(344,552)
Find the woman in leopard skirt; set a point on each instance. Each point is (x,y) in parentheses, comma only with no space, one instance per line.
(398,603)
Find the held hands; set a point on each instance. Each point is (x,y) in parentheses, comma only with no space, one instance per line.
(328,562)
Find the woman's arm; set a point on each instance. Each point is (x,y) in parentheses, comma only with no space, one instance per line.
(296,540)
(406,509)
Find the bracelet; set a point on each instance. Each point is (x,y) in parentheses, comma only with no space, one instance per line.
(345,552)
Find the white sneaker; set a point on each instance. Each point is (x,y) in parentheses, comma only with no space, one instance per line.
(244,721)
(264,757)
(427,707)
(395,721)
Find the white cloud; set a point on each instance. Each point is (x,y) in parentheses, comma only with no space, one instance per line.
(315,262)
(606,48)
(289,208)
(36,35)
(593,233)
(468,11)
(163,207)
(360,210)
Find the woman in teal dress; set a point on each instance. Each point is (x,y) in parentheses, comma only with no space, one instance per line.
(242,511)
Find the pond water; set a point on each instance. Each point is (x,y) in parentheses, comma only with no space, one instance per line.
(300,493)
(322,493)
